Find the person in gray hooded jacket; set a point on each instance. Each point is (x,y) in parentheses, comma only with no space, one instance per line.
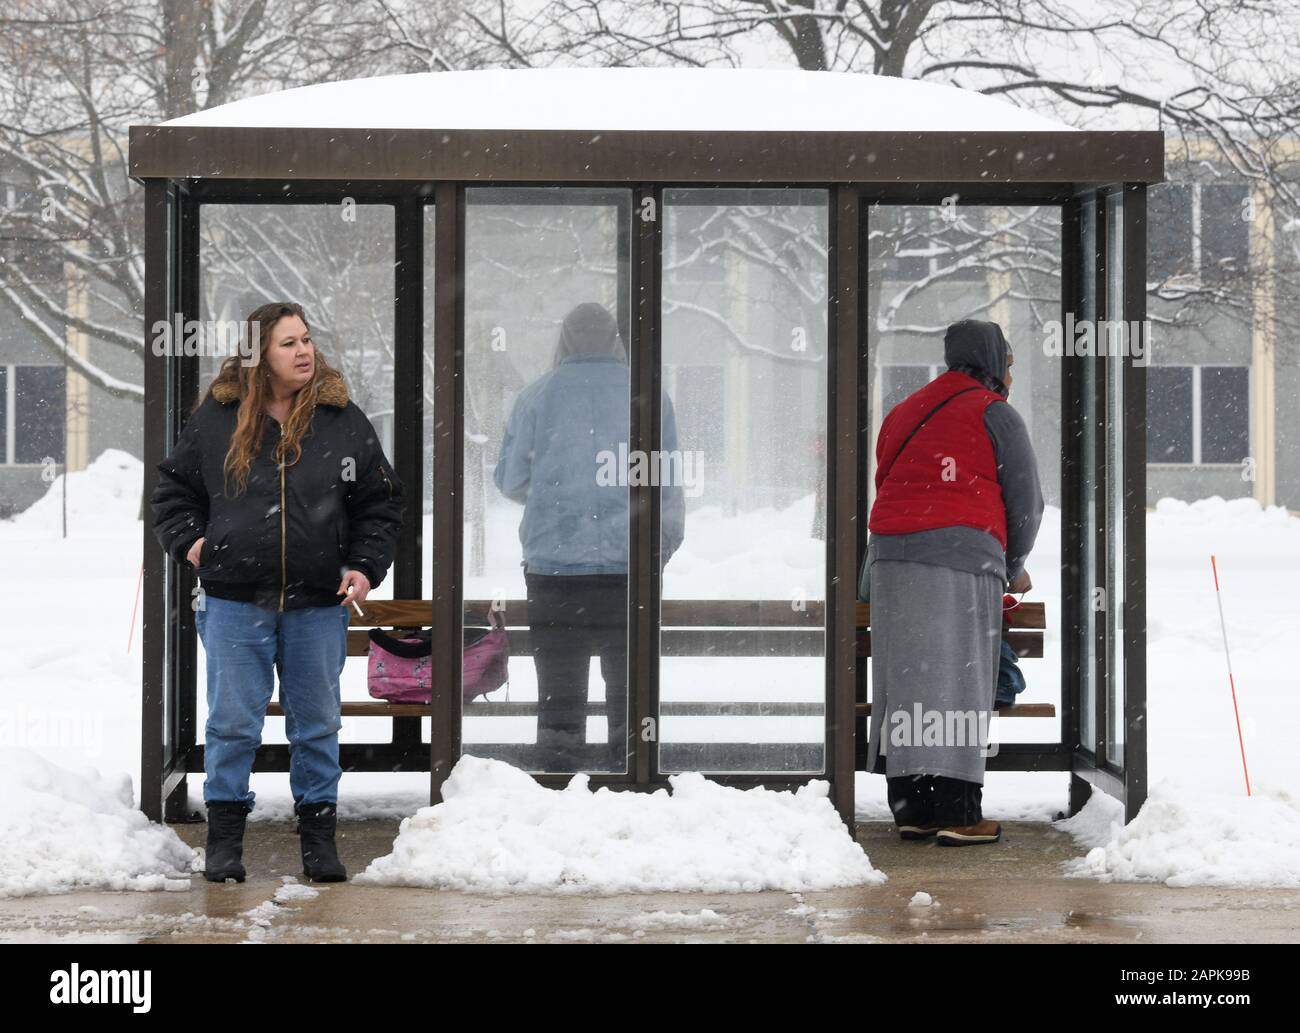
(562,457)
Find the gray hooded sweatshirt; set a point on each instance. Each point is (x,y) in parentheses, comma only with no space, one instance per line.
(980,349)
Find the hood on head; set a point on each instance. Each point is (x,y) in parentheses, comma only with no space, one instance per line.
(588,331)
(979,345)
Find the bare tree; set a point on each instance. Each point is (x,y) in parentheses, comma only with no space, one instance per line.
(74,74)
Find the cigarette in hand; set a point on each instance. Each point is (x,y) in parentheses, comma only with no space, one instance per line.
(352,589)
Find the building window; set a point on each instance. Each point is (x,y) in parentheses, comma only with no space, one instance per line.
(899,381)
(1169,231)
(1198,230)
(1198,414)
(32,414)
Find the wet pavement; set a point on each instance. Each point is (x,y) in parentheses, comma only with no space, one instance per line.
(1011,891)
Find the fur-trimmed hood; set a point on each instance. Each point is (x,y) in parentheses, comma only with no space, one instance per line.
(333,391)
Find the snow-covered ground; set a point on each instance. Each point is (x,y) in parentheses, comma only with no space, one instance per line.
(70,696)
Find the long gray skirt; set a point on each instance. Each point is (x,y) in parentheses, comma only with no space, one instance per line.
(935,635)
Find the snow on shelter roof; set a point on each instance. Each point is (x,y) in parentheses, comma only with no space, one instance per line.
(646,99)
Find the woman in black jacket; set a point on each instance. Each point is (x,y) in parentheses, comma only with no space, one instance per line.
(279,494)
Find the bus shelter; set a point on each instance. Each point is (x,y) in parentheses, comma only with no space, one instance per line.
(781,252)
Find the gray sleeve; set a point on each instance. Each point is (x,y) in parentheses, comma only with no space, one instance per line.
(1022,494)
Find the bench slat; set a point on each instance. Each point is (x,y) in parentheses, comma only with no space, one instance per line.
(676,613)
(719,708)
(772,613)
(1027,616)
(707,628)
(731,642)
(1027,644)
(367,708)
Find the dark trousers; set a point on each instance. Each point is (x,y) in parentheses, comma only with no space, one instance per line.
(571,619)
(935,800)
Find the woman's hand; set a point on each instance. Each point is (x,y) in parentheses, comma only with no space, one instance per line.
(193,555)
(1021,583)
(359,584)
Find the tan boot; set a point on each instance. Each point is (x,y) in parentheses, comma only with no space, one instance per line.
(985,831)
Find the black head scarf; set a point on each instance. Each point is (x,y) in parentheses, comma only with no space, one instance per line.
(980,350)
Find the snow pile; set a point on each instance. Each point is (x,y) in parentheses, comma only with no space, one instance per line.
(1186,836)
(62,831)
(105,496)
(498,831)
(1218,513)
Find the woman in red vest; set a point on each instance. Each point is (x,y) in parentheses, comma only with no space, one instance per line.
(957,509)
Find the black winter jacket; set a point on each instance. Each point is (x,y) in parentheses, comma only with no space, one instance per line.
(286,541)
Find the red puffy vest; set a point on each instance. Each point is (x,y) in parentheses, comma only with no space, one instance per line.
(947,475)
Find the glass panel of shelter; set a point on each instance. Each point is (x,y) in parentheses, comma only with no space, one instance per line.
(1088,597)
(1103,476)
(428,291)
(1118,339)
(547,403)
(742,669)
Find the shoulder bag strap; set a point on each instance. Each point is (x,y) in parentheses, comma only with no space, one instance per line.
(920,425)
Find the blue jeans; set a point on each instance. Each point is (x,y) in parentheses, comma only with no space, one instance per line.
(244,644)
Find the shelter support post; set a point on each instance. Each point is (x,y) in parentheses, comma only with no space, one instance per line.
(447,590)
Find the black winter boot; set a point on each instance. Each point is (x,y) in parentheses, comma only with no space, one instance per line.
(320,858)
(225,850)
(911,802)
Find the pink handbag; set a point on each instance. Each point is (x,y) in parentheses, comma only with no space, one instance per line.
(400,668)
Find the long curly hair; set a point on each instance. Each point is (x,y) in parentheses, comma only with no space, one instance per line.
(251,384)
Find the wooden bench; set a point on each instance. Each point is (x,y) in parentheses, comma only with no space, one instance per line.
(690,627)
